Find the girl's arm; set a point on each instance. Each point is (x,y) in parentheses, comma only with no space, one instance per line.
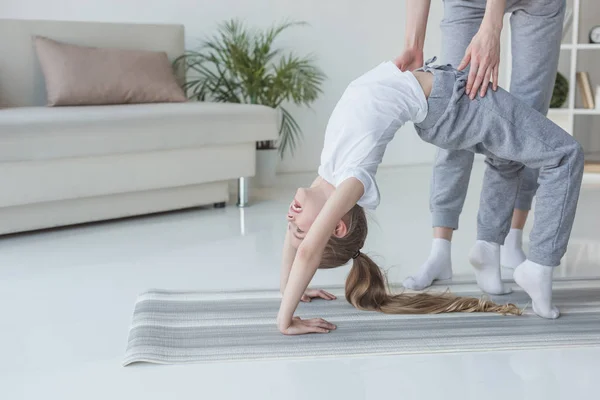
(308,258)
(289,253)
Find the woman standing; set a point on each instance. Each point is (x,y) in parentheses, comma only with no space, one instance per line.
(471,40)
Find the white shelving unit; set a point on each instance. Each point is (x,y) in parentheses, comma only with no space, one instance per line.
(579,55)
(580,46)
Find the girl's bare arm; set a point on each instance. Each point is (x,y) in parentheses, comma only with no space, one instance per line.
(289,253)
(308,256)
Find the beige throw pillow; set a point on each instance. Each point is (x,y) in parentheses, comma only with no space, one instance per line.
(78,75)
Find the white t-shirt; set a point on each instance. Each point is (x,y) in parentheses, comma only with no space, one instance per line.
(364,121)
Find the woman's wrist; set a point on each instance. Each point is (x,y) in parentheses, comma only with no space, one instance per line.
(492,25)
(493,18)
(414,45)
(417,14)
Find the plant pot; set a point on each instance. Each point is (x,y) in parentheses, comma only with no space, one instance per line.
(266,167)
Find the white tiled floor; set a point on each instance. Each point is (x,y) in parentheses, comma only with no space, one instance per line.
(66,298)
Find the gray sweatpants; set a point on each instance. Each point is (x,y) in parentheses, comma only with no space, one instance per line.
(512,136)
(536,27)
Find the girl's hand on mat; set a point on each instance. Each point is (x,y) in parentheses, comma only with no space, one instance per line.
(304,326)
(410,60)
(484,56)
(315,293)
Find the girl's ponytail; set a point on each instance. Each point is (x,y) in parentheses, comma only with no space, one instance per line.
(366,286)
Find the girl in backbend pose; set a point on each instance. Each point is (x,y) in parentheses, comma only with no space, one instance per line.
(327,226)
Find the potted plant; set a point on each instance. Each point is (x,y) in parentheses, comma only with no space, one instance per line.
(560,92)
(241,65)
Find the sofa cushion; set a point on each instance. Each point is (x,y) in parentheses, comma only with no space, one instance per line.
(80,75)
(40,133)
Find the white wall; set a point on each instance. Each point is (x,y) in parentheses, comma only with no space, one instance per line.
(347,36)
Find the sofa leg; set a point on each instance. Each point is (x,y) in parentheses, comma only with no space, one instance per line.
(242,200)
(220,205)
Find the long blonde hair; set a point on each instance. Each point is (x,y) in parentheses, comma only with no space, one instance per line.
(366,287)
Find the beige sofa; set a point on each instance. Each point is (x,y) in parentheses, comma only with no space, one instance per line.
(68,165)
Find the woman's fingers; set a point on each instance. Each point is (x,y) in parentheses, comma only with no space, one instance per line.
(495,78)
(466,60)
(403,62)
(486,82)
(472,77)
(478,80)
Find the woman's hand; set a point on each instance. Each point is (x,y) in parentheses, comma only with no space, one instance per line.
(304,326)
(410,59)
(484,56)
(315,293)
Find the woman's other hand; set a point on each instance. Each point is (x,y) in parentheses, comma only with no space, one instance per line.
(483,54)
(410,59)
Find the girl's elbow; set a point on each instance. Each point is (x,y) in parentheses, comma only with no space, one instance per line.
(305,253)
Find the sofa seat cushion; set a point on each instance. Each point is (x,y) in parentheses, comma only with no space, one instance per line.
(40,133)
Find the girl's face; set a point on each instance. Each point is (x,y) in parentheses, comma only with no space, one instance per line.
(303,211)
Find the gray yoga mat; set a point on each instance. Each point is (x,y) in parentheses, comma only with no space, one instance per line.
(185,327)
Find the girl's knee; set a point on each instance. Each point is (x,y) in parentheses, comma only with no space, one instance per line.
(576,155)
(578,151)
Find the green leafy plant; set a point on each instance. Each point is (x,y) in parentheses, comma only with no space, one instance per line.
(560,91)
(241,65)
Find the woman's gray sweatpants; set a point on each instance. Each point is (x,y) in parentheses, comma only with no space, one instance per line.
(536,28)
(512,136)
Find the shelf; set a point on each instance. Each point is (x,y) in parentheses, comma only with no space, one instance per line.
(592,168)
(586,111)
(559,111)
(581,46)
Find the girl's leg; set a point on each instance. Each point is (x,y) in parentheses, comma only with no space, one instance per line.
(507,129)
(502,127)
(452,168)
(532,81)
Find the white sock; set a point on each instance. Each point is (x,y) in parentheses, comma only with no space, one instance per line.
(437,266)
(485,258)
(536,280)
(512,254)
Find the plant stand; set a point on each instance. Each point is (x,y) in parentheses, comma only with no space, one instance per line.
(242,200)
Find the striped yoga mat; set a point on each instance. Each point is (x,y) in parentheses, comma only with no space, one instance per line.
(184,327)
